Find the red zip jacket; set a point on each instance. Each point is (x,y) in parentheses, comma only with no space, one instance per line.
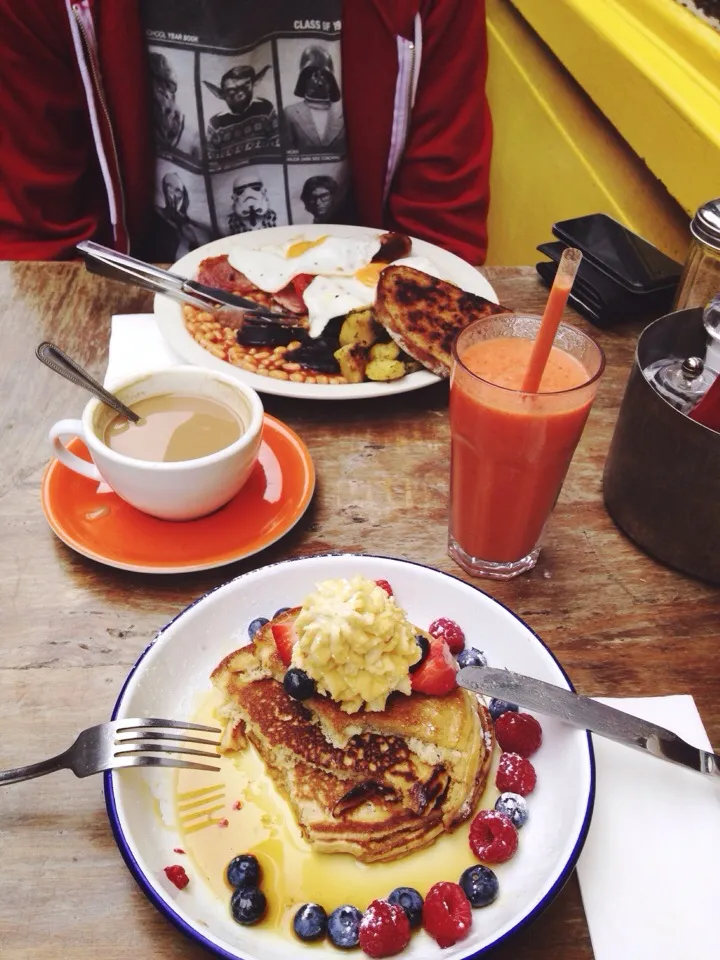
(76,159)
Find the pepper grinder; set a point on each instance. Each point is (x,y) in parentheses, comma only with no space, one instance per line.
(700,280)
(681,382)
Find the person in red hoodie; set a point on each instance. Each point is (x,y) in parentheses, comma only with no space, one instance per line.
(102,102)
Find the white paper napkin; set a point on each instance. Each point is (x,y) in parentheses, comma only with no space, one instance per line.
(650,870)
(136,345)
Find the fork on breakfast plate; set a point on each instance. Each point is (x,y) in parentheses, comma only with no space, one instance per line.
(124,743)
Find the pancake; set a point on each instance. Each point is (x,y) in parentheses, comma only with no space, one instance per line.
(377,785)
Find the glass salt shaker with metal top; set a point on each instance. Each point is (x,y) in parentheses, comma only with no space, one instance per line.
(700,280)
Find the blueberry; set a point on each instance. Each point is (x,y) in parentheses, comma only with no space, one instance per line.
(513,806)
(247,905)
(255,625)
(243,871)
(480,885)
(424,645)
(411,902)
(344,926)
(498,707)
(470,657)
(298,684)
(310,922)
(281,610)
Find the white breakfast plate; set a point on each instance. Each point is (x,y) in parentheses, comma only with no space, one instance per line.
(168,313)
(174,670)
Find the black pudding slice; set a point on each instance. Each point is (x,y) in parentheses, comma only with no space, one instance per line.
(267,333)
(331,331)
(316,354)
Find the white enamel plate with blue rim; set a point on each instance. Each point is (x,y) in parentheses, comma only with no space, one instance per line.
(169,315)
(174,672)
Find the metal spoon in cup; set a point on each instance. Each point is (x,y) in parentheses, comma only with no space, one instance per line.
(61,363)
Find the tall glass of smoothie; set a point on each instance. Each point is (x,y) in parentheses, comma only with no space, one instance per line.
(511,449)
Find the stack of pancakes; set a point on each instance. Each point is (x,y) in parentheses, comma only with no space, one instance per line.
(377,785)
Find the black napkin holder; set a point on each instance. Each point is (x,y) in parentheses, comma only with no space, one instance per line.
(600,294)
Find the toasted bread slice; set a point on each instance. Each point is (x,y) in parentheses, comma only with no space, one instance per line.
(424,315)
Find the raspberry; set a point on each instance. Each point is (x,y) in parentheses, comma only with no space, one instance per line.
(384,929)
(493,838)
(447,914)
(449,631)
(176,874)
(385,586)
(518,733)
(515,774)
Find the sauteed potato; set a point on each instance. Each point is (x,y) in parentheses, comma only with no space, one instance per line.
(385,351)
(359,327)
(352,358)
(385,370)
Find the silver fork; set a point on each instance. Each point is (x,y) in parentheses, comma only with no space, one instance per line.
(122,743)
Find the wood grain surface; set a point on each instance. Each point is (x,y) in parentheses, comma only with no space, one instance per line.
(70,629)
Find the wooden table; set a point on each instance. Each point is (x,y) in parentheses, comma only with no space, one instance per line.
(70,629)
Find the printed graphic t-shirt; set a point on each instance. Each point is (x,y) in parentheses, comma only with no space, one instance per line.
(247,117)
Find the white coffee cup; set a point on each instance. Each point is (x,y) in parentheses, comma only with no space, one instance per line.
(177,490)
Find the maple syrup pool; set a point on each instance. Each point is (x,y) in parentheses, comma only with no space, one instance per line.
(238,810)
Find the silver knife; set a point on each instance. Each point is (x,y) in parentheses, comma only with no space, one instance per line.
(119,266)
(584,712)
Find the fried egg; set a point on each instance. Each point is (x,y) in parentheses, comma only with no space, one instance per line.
(272,268)
(420,263)
(345,276)
(329,297)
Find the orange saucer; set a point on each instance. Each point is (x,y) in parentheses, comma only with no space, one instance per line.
(105,528)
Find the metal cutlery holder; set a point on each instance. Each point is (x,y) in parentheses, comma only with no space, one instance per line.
(662,476)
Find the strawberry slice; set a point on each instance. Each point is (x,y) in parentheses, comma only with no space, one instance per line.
(384,585)
(436,675)
(177,875)
(285,639)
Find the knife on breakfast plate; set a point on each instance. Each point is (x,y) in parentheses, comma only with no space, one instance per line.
(588,714)
(119,266)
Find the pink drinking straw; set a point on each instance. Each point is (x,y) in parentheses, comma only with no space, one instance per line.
(562,284)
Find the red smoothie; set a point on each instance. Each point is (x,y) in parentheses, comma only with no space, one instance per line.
(511,450)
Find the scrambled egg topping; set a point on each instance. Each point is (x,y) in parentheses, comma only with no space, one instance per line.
(356,643)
